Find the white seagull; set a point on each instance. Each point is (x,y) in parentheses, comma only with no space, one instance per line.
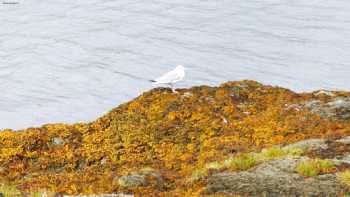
(170,78)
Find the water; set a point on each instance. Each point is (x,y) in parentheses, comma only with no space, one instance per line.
(69,61)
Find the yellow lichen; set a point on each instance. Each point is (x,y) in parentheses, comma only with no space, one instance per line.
(10,191)
(344,178)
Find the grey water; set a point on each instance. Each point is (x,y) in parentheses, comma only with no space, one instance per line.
(71,61)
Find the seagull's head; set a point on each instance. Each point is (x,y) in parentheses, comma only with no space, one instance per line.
(180,67)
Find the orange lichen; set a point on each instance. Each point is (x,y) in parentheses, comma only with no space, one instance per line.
(173,133)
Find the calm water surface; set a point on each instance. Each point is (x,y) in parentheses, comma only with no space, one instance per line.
(69,61)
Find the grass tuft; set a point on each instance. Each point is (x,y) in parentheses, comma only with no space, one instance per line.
(272,153)
(241,163)
(198,175)
(314,167)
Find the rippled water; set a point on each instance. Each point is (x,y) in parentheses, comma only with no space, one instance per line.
(68,61)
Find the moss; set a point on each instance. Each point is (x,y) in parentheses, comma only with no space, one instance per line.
(175,134)
(315,167)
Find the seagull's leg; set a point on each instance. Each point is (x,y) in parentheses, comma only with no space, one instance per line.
(172,88)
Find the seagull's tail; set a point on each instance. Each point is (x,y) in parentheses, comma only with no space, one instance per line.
(153,81)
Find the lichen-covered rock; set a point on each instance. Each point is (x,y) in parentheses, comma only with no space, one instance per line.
(310,144)
(337,108)
(175,134)
(344,140)
(57,141)
(145,177)
(132,180)
(273,178)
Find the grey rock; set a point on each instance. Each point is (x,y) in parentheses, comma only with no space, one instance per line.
(58,141)
(324,92)
(273,178)
(310,144)
(344,140)
(295,107)
(137,179)
(103,161)
(343,159)
(187,95)
(338,108)
(133,180)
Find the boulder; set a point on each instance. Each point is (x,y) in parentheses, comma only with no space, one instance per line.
(273,178)
(143,178)
(338,108)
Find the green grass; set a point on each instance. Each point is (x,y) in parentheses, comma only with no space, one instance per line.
(241,163)
(198,175)
(272,153)
(214,165)
(307,169)
(314,167)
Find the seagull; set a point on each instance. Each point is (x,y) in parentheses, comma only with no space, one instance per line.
(171,77)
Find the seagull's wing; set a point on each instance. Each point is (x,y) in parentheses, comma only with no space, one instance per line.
(169,77)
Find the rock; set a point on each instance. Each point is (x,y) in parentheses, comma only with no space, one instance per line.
(132,180)
(295,107)
(145,177)
(324,92)
(273,178)
(338,108)
(187,95)
(103,161)
(58,141)
(344,140)
(311,144)
(317,108)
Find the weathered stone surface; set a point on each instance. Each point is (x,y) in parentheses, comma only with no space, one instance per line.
(132,180)
(146,177)
(310,144)
(273,178)
(324,92)
(338,108)
(344,140)
(57,141)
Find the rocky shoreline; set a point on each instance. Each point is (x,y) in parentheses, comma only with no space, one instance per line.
(240,138)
